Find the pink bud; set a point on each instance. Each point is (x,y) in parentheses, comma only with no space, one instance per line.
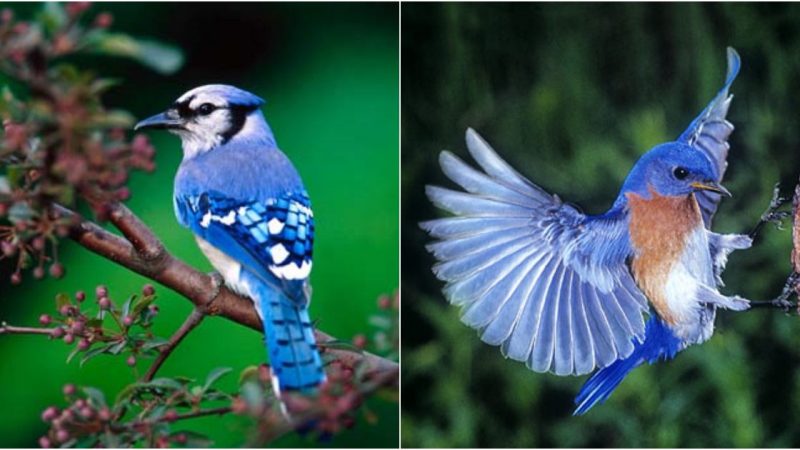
(127,321)
(104,303)
(69,338)
(62,435)
(170,416)
(148,289)
(57,270)
(103,20)
(80,296)
(69,389)
(57,332)
(84,344)
(38,272)
(16,278)
(44,442)
(101,291)
(45,319)
(131,361)
(104,415)
(50,413)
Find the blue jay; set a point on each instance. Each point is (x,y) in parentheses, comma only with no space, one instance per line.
(251,216)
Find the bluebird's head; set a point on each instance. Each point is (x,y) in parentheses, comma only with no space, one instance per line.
(209,116)
(673,169)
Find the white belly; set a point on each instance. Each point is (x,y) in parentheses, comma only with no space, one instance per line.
(229,268)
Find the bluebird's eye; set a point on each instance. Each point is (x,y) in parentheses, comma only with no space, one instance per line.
(680,173)
(206,109)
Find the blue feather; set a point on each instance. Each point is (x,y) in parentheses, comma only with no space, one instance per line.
(659,344)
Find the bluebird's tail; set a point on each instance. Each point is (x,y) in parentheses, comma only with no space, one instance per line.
(659,343)
(291,345)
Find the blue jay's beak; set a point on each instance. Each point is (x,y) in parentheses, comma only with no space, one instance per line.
(712,186)
(162,121)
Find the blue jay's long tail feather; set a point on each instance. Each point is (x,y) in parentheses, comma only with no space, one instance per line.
(291,345)
(659,343)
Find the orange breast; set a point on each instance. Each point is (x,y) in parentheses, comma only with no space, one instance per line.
(659,227)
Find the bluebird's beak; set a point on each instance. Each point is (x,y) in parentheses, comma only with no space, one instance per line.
(163,121)
(712,186)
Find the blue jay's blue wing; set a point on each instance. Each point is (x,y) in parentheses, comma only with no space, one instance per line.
(709,133)
(273,238)
(535,276)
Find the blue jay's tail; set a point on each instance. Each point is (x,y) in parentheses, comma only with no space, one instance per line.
(291,345)
(659,343)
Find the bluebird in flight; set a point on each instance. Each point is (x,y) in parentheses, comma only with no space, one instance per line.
(251,216)
(567,292)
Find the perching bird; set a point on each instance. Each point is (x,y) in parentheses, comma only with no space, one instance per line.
(251,216)
(567,292)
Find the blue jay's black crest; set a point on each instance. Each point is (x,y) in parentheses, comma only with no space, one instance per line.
(251,216)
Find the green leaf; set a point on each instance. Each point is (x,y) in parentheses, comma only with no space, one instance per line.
(163,58)
(96,396)
(253,395)
(53,17)
(155,342)
(91,353)
(72,354)
(62,300)
(143,303)
(126,307)
(117,347)
(249,373)
(94,323)
(215,375)
(167,383)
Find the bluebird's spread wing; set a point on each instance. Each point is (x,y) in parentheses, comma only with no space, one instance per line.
(534,275)
(272,238)
(709,133)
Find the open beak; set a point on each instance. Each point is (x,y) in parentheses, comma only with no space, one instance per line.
(162,121)
(712,186)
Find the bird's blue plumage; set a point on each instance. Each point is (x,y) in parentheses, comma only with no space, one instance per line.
(246,204)
(568,293)
(659,344)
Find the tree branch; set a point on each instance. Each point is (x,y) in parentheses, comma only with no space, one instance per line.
(199,288)
(8,329)
(192,321)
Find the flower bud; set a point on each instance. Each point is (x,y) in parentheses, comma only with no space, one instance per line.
(50,413)
(127,321)
(84,344)
(57,332)
(16,278)
(62,435)
(69,389)
(101,291)
(131,361)
(80,296)
(44,442)
(57,270)
(104,303)
(148,289)
(38,272)
(103,20)
(45,319)
(69,338)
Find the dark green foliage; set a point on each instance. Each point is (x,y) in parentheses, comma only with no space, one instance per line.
(571,95)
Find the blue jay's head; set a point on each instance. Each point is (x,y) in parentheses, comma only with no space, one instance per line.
(209,116)
(673,169)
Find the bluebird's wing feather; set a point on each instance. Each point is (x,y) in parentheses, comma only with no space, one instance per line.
(709,133)
(546,283)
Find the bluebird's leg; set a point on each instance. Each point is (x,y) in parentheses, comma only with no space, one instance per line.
(713,297)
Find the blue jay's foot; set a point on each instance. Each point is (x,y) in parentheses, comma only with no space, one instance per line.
(782,301)
(772,215)
(217,282)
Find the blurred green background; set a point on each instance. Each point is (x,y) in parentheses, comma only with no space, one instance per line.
(329,73)
(571,95)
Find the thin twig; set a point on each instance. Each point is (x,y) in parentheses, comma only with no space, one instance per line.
(8,329)
(191,321)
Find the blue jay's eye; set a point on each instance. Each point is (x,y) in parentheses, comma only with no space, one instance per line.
(206,109)
(680,173)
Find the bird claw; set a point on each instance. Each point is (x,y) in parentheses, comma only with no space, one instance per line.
(772,215)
